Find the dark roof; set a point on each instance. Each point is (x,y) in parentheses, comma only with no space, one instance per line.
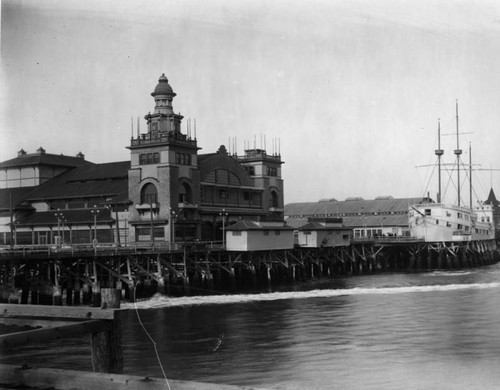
(102,180)
(18,195)
(351,207)
(319,226)
(353,221)
(163,87)
(249,225)
(492,199)
(45,159)
(221,160)
(76,216)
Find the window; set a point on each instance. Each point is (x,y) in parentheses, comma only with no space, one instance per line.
(149,158)
(236,233)
(277,232)
(448,224)
(266,232)
(246,195)
(459,215)
(149,194)
(459,227)
(427,211)
(272,171)
(250,170)
(185,193)
(437,221)
(183,158)
(273,201)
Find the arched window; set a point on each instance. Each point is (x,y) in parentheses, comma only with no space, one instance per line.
(273,201)
(185,193)
(149,194)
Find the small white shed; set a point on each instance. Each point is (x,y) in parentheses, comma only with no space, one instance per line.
(324,232)
(256,236)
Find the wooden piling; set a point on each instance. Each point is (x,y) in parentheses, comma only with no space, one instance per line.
(110,298)
(106,348)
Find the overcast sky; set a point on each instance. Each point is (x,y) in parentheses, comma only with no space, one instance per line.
(352,89)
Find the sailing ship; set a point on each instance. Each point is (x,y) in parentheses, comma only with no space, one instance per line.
(440,222)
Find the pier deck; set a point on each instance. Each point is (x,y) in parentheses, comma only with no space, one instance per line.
(47,275)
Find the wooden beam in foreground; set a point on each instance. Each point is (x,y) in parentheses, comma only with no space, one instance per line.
(82,380)
(73,312)
(102,325)
(11,340)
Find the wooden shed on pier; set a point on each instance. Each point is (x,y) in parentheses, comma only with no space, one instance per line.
(323,232)
(256,236)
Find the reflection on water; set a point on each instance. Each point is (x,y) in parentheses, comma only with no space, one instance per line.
(438,330)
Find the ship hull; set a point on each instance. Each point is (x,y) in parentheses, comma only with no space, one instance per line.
(434,222)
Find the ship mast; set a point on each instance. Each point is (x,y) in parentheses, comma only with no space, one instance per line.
(470,176)
(458,152)
(439,152)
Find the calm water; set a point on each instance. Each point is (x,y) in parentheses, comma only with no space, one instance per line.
(438,330)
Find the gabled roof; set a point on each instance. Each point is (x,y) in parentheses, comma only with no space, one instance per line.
(386,205)
(97,180)
(250,225)
(319,226)
(359,221)
(17,195)
(44,159)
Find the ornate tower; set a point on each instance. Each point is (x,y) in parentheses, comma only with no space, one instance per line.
(164,183)
(265,171)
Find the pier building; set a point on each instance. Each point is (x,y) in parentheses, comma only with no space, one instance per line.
(167,192)
(258,236)
(382,216)
(323,232)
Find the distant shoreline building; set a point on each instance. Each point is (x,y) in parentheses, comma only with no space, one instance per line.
(166,192)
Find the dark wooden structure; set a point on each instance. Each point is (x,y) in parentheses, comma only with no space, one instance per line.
(77,277)
(49,322)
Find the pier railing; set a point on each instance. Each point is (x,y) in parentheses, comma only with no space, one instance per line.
(104,249)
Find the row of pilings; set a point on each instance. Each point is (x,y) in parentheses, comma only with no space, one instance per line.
(74,280)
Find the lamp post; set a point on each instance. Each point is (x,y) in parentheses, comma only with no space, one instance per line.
(173,216)
(59,215)
(152,224)
(94,212)
(223,214)
(110,207)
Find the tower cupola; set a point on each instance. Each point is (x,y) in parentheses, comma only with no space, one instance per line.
(163,95)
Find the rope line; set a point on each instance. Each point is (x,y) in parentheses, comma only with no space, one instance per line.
(152,340)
